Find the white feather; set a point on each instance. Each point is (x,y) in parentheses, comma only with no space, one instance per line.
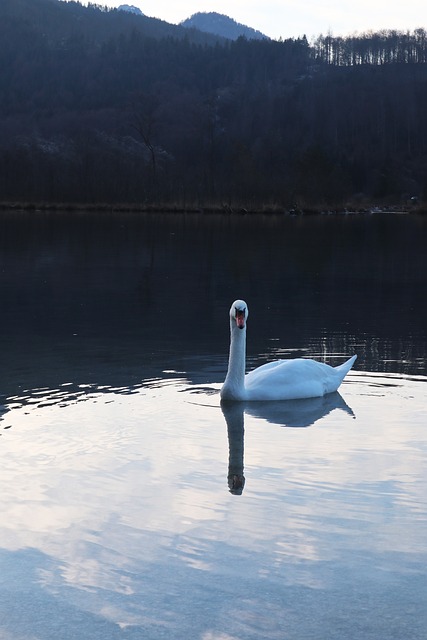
(278,380)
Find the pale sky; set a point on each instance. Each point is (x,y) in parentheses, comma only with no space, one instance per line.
(294,18)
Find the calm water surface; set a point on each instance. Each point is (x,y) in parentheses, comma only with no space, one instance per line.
(134,506)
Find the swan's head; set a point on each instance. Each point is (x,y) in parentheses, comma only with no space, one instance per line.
(239,313)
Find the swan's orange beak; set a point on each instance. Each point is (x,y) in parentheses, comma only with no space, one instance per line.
(240,318)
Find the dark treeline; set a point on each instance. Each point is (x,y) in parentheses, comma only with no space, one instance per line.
(385,47)
(99,105)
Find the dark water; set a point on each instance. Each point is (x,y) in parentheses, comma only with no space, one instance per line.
(120,516)
(95,296)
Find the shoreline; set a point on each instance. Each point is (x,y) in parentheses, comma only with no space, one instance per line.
(420,208)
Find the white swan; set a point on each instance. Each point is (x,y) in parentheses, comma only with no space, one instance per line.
(279,380)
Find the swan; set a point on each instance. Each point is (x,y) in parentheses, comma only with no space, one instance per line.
(278,380)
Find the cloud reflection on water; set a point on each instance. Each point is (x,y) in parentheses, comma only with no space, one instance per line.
(122,501)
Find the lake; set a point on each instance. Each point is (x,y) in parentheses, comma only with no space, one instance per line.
(120,517)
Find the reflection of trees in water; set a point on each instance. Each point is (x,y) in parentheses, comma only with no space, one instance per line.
(376,353)
(285,413)
(84,292)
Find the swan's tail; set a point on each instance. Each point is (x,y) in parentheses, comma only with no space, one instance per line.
(345,367)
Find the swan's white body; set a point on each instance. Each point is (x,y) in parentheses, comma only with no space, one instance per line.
(279,380)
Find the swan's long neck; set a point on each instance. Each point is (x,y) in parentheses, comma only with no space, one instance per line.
(234,384)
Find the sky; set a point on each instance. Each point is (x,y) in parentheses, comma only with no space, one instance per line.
(294,18)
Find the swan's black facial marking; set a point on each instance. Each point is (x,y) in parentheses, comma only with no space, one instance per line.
(240,315)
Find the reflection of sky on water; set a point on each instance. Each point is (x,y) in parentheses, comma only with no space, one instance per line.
(117,512)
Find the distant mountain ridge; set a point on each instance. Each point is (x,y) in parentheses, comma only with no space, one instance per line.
(221,25)
(56,20)
(130,9)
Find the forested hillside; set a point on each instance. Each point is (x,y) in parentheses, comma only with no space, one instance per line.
(102,105)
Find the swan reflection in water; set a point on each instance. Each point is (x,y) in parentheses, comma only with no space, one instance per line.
(234,417)
(285,413)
